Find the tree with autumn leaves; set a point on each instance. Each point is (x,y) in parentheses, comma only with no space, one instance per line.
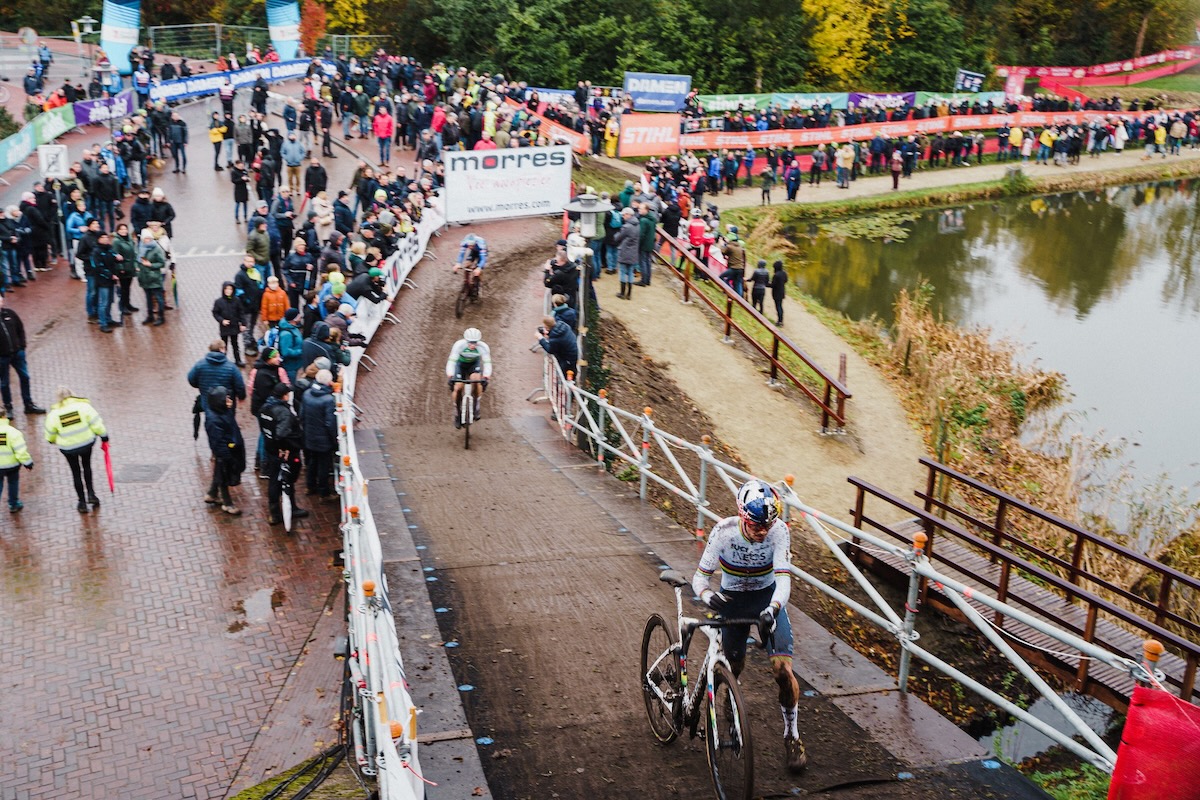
(726,45)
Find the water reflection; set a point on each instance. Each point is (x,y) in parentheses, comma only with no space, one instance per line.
(1103,286)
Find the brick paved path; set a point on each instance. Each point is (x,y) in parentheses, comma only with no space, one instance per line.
(145,644)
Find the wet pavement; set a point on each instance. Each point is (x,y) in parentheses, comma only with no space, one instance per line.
(147,642)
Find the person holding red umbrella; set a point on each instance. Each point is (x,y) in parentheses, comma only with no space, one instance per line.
(73,425)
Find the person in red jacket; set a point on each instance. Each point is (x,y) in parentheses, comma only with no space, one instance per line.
(383,126)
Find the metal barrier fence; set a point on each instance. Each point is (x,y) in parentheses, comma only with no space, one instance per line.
(655,454)
(346,45)
(207,40)
(384,723)
(834,394)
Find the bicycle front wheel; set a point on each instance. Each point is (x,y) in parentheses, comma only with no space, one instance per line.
(460,304)
(727,738)
(662,687)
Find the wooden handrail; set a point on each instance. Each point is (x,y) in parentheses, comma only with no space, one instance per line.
(1189,649)
(1174,576)
(830,409)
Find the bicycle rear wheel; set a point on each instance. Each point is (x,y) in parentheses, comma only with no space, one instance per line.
(662,688)
(727,738)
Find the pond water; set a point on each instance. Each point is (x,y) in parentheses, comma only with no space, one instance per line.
(1103,286)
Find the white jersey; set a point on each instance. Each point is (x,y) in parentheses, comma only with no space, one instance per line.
(465,353)
(747,566)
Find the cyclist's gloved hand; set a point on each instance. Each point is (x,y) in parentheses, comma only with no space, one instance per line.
(450,382)
(766,622)
(714,600)
(485,383)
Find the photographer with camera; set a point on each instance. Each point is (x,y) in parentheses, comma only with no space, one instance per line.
(562,274)
(556,338)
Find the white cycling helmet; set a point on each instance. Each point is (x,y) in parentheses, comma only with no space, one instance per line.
(758,502)
(472,335)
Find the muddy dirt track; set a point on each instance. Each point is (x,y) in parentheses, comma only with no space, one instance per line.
(547,583)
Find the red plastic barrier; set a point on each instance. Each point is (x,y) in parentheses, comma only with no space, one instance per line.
(1159,756)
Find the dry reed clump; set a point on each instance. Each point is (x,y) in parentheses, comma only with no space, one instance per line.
(766,239)
(973,398)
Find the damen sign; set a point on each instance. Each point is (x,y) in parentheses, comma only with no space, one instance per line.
(514,182)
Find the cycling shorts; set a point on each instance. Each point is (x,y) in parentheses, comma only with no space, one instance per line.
(749,605)
(463,370)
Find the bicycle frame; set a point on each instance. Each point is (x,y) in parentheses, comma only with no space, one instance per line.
(686,628)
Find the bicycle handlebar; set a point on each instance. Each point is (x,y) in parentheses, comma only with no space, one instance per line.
(730,623)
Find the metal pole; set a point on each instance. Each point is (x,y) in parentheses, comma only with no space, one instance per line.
(1089,736)
(702,489)
(600,434)
(644,466)
(910,612)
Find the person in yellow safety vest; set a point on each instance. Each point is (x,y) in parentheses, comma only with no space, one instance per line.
(73,425)
(13,456)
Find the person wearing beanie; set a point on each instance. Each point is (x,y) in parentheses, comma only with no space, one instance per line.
(290,344)
(282,436)
(370,285)
(318,423)
(759,280)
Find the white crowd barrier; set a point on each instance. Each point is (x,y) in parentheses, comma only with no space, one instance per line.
(384,727)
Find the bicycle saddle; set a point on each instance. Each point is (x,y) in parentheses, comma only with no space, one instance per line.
(674,578)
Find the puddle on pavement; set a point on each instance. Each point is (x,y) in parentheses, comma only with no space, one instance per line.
(257,609)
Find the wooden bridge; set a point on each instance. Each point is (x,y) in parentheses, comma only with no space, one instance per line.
(986,555)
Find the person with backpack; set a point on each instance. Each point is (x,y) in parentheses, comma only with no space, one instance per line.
(318,422)
(282,439)
(290,343)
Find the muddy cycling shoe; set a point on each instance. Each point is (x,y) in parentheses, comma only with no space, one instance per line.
(797,758)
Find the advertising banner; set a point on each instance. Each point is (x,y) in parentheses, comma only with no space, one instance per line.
(119,24)
(714,103)
(283,23)
(965,81)
(810,137)
(806,100)
(92,112)
(652,91)
(1111,67)
(649,135)
(875,99)
(16,148)
(514,182)
(211,82)
(51,124)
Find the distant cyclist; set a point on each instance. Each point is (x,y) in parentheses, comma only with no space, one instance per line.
(472,255)
(753,551)
(470,359)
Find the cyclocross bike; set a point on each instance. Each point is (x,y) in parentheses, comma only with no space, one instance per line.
(469,293)
(671,704)
(466,408)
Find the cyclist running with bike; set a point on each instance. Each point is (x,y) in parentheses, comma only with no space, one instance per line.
(470,359)
(753,552)
(472,255)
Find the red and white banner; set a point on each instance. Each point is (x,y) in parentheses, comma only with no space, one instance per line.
(809,137)
(649,134)
(1111,68)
